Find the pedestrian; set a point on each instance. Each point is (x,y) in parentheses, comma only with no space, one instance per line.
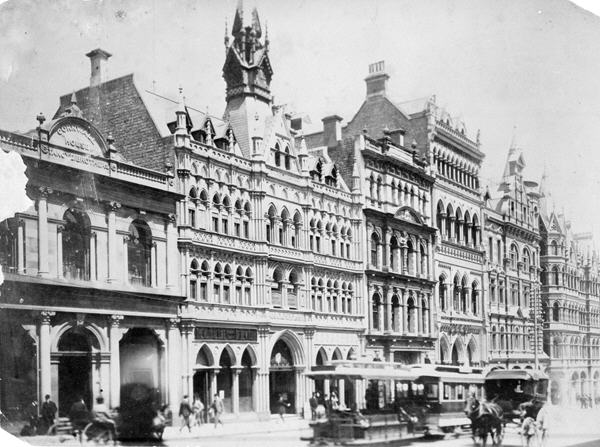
(282,405)
(218,408)
(185,411)
(314,403)
(101,416)
(198,408)
(79,416)
(48,412)
(542,421)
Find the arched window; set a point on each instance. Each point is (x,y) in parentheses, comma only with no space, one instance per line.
(442,293)
(514,256)
(526,260)
(411,317)
(464,296)
(287,158)
(76,245)
(494,338)
(194,280)
(555,311)
(277,156)
(474,299)
(396,313)
(394,249)
(375,250)
(375,312)
(139,249)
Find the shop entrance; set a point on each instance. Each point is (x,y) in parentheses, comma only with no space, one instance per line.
(246,382)
(74,369)
(225,380)
(282,378)
(202,376)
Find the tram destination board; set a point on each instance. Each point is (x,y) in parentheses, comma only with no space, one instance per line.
(225,334)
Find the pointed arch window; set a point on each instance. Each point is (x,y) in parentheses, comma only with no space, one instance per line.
(76,245)
(555,312)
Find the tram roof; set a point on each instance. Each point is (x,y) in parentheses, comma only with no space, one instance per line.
(362,370)
(516,374)
(447,376)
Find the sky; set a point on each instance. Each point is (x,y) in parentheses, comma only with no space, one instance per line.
(522,69)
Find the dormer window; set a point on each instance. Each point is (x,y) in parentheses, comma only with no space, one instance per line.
(287,158)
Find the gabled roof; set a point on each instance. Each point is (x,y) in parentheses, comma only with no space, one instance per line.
(121,108)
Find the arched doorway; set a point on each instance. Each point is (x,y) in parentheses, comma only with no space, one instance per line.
(282,377)
(225,378)
(75,368)
(320,361)
(140,353)
(575,388)
(201,377)
(247,382)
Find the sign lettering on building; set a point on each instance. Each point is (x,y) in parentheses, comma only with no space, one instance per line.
(76,137)
(225,334)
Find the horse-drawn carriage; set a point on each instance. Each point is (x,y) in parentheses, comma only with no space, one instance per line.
(513,389)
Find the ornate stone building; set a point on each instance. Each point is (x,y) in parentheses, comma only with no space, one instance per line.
(270,240)
(512,258)
(91,271)
(570,308)
(377,153)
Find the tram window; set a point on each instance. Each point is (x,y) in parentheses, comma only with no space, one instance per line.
(431,390)
(446,392)
(401,389)
(459,392)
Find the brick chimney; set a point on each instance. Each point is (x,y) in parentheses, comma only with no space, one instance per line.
(332,130)
(377,79)
(99,60)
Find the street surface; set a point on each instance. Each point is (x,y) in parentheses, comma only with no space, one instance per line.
(569,427)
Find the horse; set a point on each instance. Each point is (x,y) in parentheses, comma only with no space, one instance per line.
(486,418)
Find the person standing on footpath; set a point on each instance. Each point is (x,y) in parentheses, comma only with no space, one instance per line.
(218,408)
(314,403)
(198,408)
(185,411)
(49,410)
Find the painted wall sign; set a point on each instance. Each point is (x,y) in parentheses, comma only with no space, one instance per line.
(226,334)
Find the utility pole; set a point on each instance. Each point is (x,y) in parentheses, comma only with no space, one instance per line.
(535,328)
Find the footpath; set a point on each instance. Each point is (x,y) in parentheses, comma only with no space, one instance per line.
(230,427)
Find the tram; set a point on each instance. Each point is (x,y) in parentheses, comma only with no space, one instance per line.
(437,395)
(394,404)
(511,388)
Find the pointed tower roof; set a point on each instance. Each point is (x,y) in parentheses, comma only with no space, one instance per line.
(247,72)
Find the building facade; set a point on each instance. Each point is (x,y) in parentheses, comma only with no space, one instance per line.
(570,308)
(512,258)
(91,280)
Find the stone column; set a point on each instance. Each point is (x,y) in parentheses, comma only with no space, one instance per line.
(405,327)
(93,257)
(59,251)
(21,247)
(235,390)
(419,312)
(443,226)
(125,265)
(388,307)
(45,367)
(171,251)
(174,366)
(42,208)
(115,361)
(153,269)
(113,264)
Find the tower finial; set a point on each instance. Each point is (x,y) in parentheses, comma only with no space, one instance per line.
(226,39)
(266,36)
(513,141)
(73,99)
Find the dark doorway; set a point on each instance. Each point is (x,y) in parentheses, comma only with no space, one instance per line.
(246,383)
(225,380)
(202,376)
(74,369)
(320,383)
(282,378)
(455,358)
